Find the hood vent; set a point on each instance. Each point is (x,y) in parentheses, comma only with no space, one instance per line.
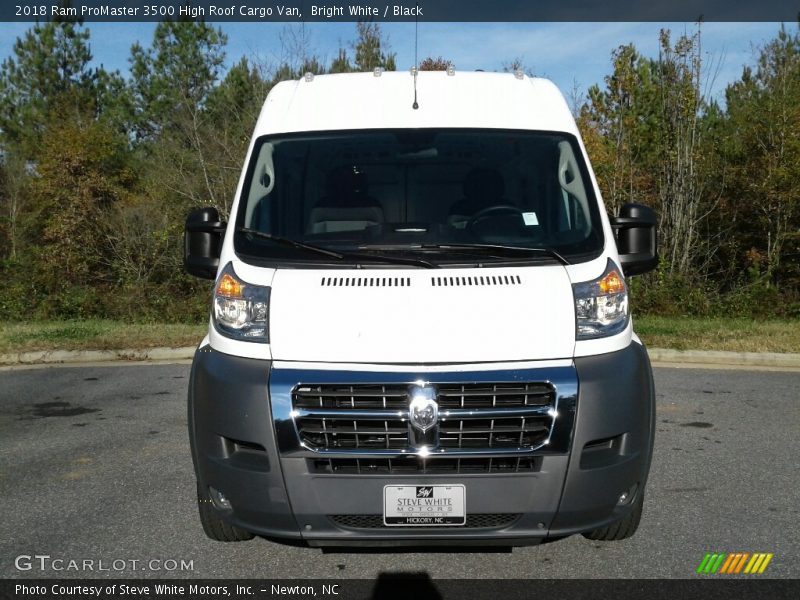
(479,280)
(366,282)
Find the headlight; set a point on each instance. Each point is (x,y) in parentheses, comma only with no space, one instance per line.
(601,306)
(240,309)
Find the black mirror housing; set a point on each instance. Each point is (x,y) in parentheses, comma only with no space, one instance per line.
(636,235)
(202,242)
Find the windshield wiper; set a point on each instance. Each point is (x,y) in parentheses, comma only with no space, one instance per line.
(398,260)
(500,249)
(337,255)
(287,242)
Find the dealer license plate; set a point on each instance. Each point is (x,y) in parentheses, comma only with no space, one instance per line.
(424,505)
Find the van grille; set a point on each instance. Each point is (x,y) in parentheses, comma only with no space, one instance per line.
(351,396)
(346,434)
(472,416)
(492,395)
(395,396)
(413,465)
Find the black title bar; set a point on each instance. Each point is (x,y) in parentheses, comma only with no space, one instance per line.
(405,586)
(297,11)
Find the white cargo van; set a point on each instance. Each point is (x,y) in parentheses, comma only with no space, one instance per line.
(420,330)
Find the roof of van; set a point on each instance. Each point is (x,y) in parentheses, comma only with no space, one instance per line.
(368,101)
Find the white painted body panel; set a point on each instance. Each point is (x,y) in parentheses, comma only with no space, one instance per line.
(422,324)
(363,101)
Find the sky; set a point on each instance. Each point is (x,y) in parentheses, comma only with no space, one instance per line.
(573,55)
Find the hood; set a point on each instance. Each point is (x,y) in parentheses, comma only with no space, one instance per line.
(414,316)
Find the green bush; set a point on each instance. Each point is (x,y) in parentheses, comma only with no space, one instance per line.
(30,294)
(671,295)
(661,294)
(158,303)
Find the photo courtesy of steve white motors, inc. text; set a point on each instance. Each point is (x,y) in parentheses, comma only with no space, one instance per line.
(220,10)
(172,589)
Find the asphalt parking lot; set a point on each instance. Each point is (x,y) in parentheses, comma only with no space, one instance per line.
(95,465)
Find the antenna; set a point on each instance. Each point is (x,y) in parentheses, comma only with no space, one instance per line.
(415,70)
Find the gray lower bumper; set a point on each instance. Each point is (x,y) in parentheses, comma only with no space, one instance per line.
(237,449)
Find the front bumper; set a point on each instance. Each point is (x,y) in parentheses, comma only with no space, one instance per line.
(601,448)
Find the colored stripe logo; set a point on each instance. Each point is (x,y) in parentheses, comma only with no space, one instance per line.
(734,563)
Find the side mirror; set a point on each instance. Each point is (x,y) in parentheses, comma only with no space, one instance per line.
(202,242)
(635,231)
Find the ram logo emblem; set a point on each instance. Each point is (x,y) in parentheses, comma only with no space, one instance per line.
(423,411)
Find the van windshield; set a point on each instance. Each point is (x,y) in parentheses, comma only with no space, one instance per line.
(424,196)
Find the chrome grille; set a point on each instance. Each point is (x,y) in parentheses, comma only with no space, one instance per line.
(512,432)
(493,417)
(490,395)
(351,396)
(347,434)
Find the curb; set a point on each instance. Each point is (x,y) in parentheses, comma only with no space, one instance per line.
(48,357)
(727,359)
(662,356)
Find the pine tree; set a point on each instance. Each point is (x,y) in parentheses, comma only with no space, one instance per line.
(372,49)
(50,65)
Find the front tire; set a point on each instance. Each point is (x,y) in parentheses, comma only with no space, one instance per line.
(622,529)
(216,528)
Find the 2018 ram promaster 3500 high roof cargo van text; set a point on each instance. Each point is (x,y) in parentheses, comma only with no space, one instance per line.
(420,330)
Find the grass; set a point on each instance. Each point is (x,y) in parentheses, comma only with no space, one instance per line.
(735,335)
(95,334)
(681,333)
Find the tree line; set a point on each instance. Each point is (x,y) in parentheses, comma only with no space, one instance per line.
(724,177)
(98,170)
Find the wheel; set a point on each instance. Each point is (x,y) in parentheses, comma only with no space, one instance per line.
(215,528)
(622,529)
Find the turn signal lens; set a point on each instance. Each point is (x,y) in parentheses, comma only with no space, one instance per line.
(612,283)
(229,287)
(601,306)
